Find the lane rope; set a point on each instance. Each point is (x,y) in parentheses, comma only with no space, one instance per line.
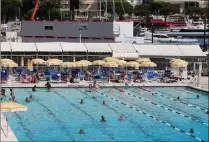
(154,118)
(186,103)
(120,90)
(146,90)
(166,108)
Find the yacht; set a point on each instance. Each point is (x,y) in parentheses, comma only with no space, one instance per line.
(164,38)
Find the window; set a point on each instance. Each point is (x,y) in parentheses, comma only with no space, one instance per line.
(48,27)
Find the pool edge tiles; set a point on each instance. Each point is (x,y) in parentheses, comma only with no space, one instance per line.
(7,136)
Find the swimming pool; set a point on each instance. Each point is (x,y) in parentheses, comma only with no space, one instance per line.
(150,114)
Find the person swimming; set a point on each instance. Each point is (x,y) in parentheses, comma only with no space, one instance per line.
(11,92)
(81,131)
(198,97)
(121,118)
(34,88)
(13,99)
(27,100)
(94,97)
(48,86)
(81,102)
(191,130)
(178,98)
(104,103)
(103,119)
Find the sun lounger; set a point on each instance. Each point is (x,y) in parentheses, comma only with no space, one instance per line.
(168,80)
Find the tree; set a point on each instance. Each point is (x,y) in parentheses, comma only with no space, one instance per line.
(155,7)
(167,9)
(10,9)
(195,11)
(142,10)
(46,7)
(121,7)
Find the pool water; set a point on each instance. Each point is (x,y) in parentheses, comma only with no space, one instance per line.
(149,114)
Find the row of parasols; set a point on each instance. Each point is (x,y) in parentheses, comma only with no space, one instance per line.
(106,62)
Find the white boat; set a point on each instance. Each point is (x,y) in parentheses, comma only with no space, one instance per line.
(164,38)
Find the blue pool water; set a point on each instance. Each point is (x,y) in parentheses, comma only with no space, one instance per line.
(58,115)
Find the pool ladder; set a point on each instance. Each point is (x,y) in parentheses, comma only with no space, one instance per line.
(193,82)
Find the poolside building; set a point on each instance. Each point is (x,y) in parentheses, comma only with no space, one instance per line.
(66,51)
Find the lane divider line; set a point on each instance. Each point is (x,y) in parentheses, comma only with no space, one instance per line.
(118,89)
(153,103)
(186,103)
(146,90)
(154,118)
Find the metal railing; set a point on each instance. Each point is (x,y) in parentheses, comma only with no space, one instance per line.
(193,82)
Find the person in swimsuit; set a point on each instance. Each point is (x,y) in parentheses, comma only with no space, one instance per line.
(103,119)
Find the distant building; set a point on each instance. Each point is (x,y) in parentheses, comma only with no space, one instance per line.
(75,31)
(80,8)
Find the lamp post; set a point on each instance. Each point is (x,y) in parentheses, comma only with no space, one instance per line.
(80,36)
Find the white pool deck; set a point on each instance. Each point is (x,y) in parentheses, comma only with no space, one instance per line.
(10,136)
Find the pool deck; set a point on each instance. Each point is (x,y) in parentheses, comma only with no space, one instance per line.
(11,136)
(6,135)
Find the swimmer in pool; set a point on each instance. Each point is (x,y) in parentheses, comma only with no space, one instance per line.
(191,130)
(34,88)
(13,99)
(81,102)
(11,92)
(178,98)
(48,86)
(198,97)
(121,118)
(81,131)
(103,103)
(27,100)
(103,119)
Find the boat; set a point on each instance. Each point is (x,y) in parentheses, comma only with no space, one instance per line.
(164,38)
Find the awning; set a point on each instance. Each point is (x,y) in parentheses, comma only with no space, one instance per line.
(122,47)
(23,47)
(147,50)
(126,56)
(49,47)
(5,47)
(191,50)
(73,47)
(98,47)
(169,50)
